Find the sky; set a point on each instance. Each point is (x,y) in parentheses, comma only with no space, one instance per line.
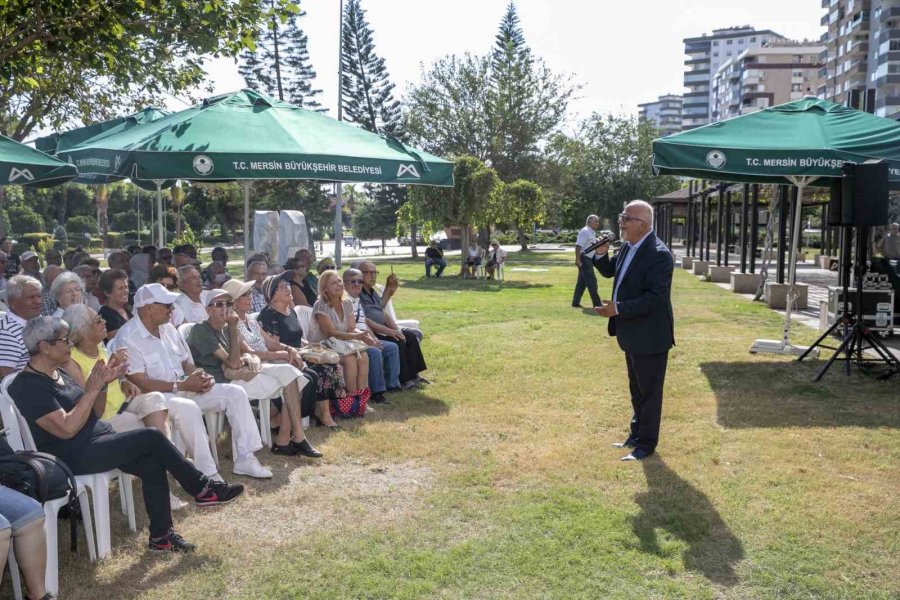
(622,53)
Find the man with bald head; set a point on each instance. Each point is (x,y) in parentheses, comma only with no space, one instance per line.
(640,317)
(587,280)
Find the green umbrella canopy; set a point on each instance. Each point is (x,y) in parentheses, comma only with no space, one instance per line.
(247,136)
(62,141)
(805,138)
(23,165)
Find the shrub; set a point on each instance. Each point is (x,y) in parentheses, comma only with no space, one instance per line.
(34,240)
(125,220)
(23,218)
(81,224)
(114,239)
(60,238)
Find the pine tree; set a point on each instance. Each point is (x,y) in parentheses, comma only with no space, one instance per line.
(368,97)
(280,65)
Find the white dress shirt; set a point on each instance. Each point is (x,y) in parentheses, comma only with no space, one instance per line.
(188,311)
(160,357)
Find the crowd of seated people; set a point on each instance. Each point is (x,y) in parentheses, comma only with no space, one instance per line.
(113,365)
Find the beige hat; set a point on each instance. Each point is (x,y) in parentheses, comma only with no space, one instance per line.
(236,288)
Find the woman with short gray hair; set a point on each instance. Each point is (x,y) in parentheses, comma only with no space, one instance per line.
(61,416)
(67,289)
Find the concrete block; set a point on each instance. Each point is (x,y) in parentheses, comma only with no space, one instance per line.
(745,283)
(700,267)
(776,295)
(687,263)
(720,274)
(825,261)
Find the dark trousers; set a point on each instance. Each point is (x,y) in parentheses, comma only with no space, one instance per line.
(587,280)
(441,265)
(147,454)
(646,376)
(412,361)
(309,394)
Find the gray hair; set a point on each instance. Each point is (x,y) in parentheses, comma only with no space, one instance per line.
(587,221)
(84,271)
(41,329)
(63,279)
(185,269)
(646,208)
(258,262)
(351,272)
(17,284)
(79,317)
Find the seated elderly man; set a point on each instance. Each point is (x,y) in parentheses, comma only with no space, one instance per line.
(160,361)
(216,276)
(257,272)
(384,359)
(48,301)
(188,307)
(24,297)
(31,265)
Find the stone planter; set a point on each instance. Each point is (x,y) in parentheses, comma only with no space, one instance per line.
(745,283)
(687,263)
(720,274)
(776,295)
(825,261)
(700,267)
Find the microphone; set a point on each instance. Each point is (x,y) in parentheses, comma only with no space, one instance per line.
(606,239)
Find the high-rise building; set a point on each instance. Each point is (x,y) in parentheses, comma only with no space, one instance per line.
(862,55)
(761,77)
(664,112)
(705,54)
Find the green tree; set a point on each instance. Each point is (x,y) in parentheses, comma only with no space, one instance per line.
(125,221)
(279,64)
(23,219)
(76,226)
(83,60)
(521,205)
(375,219)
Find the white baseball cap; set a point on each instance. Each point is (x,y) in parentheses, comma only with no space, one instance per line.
(28,255)
(208,296)
(153,293)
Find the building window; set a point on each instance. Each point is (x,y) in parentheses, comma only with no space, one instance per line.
(753,39)
(729,42)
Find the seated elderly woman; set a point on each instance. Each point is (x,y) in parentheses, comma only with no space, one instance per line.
(67,289)
(214,276)
(22,522)
(216,345)
(167,275)
(123,405)
(280,321)
(335,325)
(61,416)
(114,285)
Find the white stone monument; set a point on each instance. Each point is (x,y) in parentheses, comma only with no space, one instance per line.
(291,234)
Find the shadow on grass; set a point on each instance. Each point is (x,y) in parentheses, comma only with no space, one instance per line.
(410,404)
(470,285)
(673,504)
(782,394)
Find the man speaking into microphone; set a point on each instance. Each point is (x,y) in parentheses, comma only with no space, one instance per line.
(641,319)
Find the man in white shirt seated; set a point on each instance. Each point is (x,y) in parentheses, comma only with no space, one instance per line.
(188,307)
(159,359)
(24,297)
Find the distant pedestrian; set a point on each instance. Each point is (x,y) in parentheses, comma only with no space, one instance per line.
(587,279)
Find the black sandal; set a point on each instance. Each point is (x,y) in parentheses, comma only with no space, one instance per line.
(319,423)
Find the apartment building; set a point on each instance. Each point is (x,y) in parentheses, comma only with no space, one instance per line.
(705,55)
(761,77)
(664,113)
(862,55)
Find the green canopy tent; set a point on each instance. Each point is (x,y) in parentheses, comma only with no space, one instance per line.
(60,141)
(23,165)
(804,142)
(246,136)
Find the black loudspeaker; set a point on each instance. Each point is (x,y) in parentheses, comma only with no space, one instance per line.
(864,195)
(835,204)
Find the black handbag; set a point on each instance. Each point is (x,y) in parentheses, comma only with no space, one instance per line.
(43,477)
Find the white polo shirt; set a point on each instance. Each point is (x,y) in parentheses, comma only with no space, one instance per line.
(158,357)
(13,354)
(188,311)
(586,237)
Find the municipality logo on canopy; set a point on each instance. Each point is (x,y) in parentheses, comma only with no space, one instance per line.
(203,165)
(16,173)
(408,171)
(716,159)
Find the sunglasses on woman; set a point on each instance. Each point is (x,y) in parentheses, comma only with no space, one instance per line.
(222,304)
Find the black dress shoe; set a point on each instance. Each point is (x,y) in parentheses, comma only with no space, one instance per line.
(306,449)
(629,442)
(286,450)
(380,399)
(577,306)
(637,454)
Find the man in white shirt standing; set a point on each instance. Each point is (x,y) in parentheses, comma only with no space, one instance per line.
(159,359)
(188,307)
(587,279)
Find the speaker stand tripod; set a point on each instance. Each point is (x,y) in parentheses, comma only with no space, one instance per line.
(857,338)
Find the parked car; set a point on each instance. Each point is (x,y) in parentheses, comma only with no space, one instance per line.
(403,240)
(352,241)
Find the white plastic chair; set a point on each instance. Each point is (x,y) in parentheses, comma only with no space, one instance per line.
(16,426)
(215,421)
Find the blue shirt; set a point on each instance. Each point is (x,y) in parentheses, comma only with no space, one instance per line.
(632,250)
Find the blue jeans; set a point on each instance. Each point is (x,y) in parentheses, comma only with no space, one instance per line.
(391,354)
(17,509)
(376,370)
(441,265)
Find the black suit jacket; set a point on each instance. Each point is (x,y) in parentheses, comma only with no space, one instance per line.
(645,323)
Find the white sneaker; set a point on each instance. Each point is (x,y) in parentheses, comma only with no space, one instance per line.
(175,502)
(250,467)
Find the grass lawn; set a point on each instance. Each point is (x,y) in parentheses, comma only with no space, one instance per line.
(498,481)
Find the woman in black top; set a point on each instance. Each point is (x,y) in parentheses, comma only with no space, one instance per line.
(279,320)
(62,419)
(114,284)
(295,272)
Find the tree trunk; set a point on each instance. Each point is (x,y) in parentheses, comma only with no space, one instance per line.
(522,241)
(383,243)
(464,248)
(413,234)
(484,236)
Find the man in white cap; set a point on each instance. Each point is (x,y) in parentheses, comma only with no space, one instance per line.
(160,361)
(31,266)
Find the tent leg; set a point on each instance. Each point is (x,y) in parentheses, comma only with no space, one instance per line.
(161,240)
(338,224)
(246,185)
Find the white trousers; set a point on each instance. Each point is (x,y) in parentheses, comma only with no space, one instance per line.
(232,400)
(271,379)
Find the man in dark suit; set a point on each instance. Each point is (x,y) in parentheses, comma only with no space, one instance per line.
(640,317)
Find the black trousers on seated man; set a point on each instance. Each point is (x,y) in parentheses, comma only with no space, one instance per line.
(412,361)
